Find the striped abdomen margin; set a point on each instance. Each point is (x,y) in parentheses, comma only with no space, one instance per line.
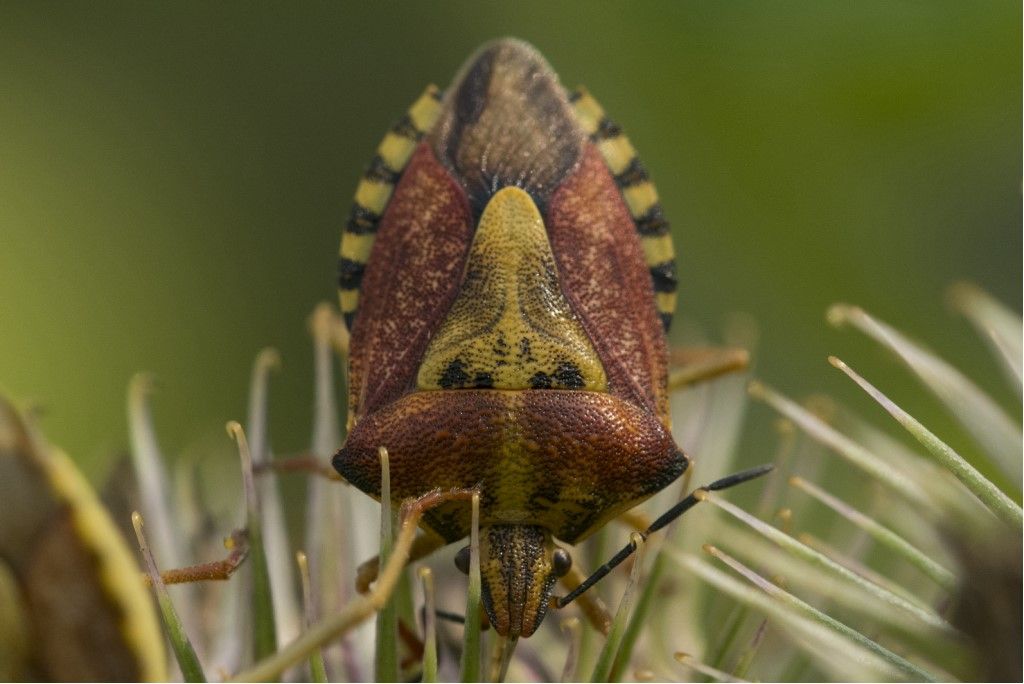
(639,194)
(373,193)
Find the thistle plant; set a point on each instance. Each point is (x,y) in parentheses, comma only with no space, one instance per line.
(862,557)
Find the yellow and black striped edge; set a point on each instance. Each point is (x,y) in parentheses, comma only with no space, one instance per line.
(639,194)
(373,193)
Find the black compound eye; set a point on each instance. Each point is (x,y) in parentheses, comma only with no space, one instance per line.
(462,560)
(561,562)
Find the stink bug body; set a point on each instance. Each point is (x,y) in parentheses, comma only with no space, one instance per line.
(507,277)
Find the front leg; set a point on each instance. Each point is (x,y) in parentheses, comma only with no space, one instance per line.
(238,550)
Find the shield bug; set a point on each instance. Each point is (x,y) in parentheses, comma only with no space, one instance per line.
(507,277)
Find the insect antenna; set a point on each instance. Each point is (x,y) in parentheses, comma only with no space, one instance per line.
(663,520)
(446,615)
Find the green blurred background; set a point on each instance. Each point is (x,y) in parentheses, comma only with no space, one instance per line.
(174,178)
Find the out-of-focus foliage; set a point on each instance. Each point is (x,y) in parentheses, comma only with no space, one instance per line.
(861,560)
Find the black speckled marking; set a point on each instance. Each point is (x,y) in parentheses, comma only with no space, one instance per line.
(524,350)
(361,221)
(653,223)
(669,474)
(500,348)
(634,174)
(454,375)
(506,122)
(582,519)
(546,493)
(350,273)
(568,375)
(540,381)
(664,277)
(471,97)
(607,129)
(405,128)
(381,172)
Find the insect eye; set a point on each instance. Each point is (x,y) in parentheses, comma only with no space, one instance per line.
(462,560)
(561,562)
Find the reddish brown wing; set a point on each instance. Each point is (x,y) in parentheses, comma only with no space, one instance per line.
(604,276)
(411,279)
(507,122)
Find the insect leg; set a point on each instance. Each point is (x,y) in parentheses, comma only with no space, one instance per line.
(448,616)
(304,462)
(667,517)
(693,365)
(238,547)
(422,546)
(591,605)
